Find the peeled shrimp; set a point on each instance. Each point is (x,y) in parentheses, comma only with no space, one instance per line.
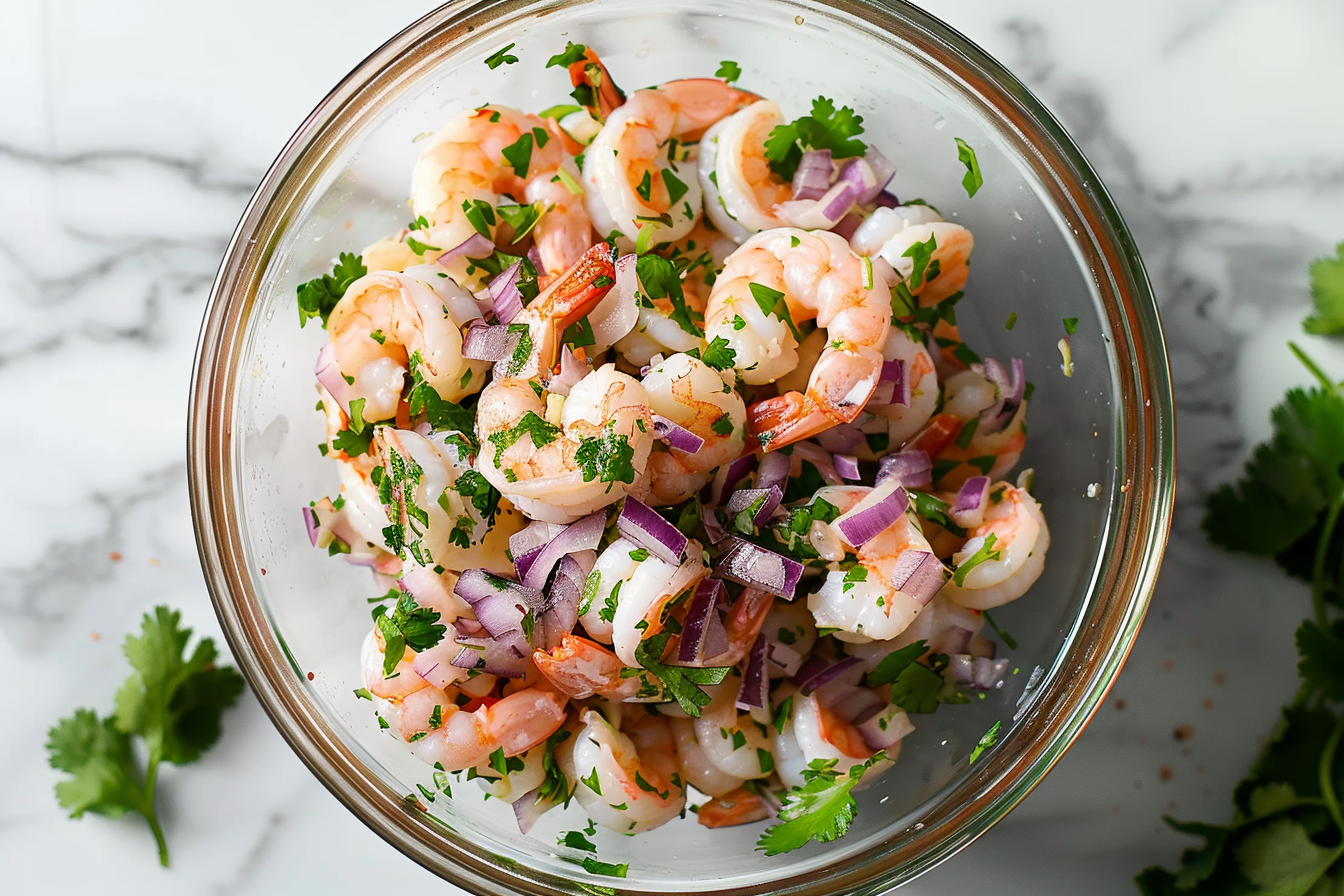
(628,779)
(819,276)
(386,319)
(515,723)
(1021,539)
(965,395)
(630,171)
(464,164)
(890,233)
(581,669)
(614,568)
(690,393)
(736,744)
(740,195)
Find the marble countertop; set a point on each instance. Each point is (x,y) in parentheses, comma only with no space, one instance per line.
(130,139)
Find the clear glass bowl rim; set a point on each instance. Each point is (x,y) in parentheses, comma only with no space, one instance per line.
(1142,498)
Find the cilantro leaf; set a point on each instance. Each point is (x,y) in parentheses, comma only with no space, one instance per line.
(502,56)
(772,302)
(893,664)
(718,355)
(729,71)
(1327,294)
(318,297)
(987,740)
(825,128)
(571,54)
(172,701)
(973,180)
(822,809)
(606,457)
(660,279)
(680,683)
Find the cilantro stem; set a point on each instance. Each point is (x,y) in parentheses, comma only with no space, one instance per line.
(1315,371)
(1318,567)
(148,810)
(1325,771)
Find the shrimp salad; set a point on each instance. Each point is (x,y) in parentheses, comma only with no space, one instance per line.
(657,429)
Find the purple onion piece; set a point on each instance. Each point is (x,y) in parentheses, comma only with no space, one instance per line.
(811,677)
(785,658)
(526,543)
(731,476)
(987,674)
(1011,389)
(584,535)
(968,508)
(475,246)
(839,200)
(953,640)
(310,523)
(534,256)
(749,564)
(774,470)
(854,705)
(910,469)
(873,515)
(504,294)
(846,226)
(977,645)
(885,729)
(919,574)
(642,525)
(847,465)
(499,604)
(703,634)
(482,342)
(812,178)
(328,373)
(530,806)
(894,372)
(886,200)
(676,436)
(960,668)
(842,439)
(713,529)
(882,170)
(755,690)
(562,610)
(743,498)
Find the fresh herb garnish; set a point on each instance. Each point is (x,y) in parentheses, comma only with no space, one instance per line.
(572,53)
(171,701)
(606,457)
(318,297)
(972,181)
(825,128)
(680,683)
(822,809)
(729,71)
(502,56)
(408,625)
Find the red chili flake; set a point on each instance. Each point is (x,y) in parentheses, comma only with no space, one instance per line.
(263,570)
(310,676)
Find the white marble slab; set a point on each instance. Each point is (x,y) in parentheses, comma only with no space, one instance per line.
(132,134)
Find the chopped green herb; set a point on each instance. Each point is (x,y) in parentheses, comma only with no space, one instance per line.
(825,128)
(973,180)
(572,53)
(988,740)
(318,297)
(729,71)
(822,809)
(1070,325)
(501,57)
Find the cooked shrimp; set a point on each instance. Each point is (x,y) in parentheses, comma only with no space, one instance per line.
(515,724)
(558,473)
(691,394)
(524,773)
(821,734)
(634,168)
(806,274)
(740,194)
(386,320)
(965,395)
(868,608)
(891,233)
(580,669)
(733,741)
(654,584)
(563,302)
(614,568)
(919,385)
(628,778)
(1016,555)
(742,806)
(696,767)
(464,164)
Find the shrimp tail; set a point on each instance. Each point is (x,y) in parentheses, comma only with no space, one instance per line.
(578,291)
(596,92)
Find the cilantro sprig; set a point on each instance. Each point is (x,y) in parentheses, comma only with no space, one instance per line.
(172,702)
(1287,830)
(821,809)
(318,297)
(825,128)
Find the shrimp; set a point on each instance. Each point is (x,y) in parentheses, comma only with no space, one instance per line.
(559,472)
(431,489)
(696,767)
(740,194)
(580,669)
(389,323)
(672,306)
(635,171)
(992,454)
(804,274)
(868,607)
(741,806)
(891,234)
(464,165)
(691,394)
(821,734)
(515,724)
(654,584)
(732,741)
(1016,554)
(566,300)
(614,568)
(523,774)
(628,779)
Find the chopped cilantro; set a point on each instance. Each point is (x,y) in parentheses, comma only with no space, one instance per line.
(606,457)
(502,56)
(987,740)
(541,432)
(318,297)
(1011,322)
(522,218)
(718,355)
(825,128)
(572,53)
(681,683)
(973,180)
(1327,295)
(660,279)
(771,301)
(822,809)
(984,552)
(925,265)
(479,213)
(729,71)
(675,188)
(408,625)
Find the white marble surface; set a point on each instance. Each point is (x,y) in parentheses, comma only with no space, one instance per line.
(132,134)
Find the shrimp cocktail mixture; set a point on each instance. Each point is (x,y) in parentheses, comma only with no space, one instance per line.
(656,427)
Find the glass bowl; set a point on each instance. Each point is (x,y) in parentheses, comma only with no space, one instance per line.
(1049,245)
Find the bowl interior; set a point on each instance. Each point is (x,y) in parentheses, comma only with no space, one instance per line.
(343,184)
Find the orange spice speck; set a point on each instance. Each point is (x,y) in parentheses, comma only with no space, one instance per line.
(153,561)
(1164,773)
(1183,732)
(114,556)
(95,636)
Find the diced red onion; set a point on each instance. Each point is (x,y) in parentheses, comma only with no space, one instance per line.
(571,371)
(482,342)
(584,535)
(328,373)
(822,213)
(755,690)
(743,498)
(504,294)
(812,178)
(960,668)
(886,728)
(642,525)
(436,664)
(676,436)
(703,634)
(886,200)
(918,574)
(475,246)
(1011,389)
(979,645)
(785,658)
(504,656)
(727,477)
(534,256)
(310,523)
(968,509)
(820,458)
(909,469)
(882,170)
(817,673)
(525,544)
(847,465)
(618,312)
(876,513)
(894,372)
(774,470)
(749,564)
(498,603)
(562,610)
(529,807)
(854,704)
(846,226)
(952,640)
(988,674)
(713,529)
(842,439)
